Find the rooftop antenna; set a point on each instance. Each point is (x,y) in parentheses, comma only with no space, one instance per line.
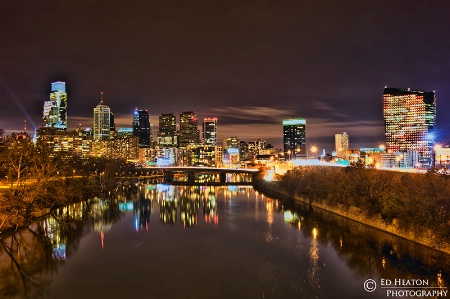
(101,96)
(25,125)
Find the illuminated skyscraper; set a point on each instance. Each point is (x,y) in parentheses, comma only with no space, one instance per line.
(141,128)
(210,131)
(55,109)
(103,122)
(341,143)
(167,133)
(294,131)
(410,121)
(189,132)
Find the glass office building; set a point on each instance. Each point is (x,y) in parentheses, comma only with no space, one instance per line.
(141,128)
(189,133)
(294,133)
(210,131)
(167,133)
(103,121)
(55,109)
(410,121)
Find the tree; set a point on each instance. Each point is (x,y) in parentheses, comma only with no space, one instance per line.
(17,156)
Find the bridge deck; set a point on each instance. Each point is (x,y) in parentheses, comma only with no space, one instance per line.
(204,169)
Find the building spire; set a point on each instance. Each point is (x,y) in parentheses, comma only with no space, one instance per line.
(101,97)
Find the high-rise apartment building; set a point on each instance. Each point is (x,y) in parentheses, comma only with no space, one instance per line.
(410,121)
(55,109)
(341,144)
(210,131)
(73,143)
(189,133)
(167,133)
(142,128)
(294,133)
(103,122)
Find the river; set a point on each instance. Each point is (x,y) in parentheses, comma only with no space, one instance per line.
(178,241)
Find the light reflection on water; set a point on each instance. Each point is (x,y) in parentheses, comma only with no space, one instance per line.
(167,241)
(313,273)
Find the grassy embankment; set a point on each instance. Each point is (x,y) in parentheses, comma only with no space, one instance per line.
(413,206)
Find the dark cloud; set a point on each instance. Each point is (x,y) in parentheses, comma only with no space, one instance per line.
(251,63)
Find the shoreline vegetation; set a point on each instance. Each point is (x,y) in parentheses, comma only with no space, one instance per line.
(36,184)
(415,207)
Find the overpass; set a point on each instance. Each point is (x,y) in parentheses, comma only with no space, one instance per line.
(191,171)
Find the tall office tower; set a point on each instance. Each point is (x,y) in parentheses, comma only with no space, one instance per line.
(410,121)
(210,131)
(167,134)
(103,122)
(55,109)
(294,131)
(341,143)
(141,128)
(189,132)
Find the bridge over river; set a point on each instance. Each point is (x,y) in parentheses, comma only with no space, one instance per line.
(192,171)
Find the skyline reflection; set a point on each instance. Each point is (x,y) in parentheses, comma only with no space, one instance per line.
(252,230)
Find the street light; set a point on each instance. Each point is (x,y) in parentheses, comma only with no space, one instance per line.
(314,149)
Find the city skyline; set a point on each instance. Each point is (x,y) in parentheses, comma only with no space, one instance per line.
(249,64)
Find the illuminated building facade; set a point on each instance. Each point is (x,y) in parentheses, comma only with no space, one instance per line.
(231,142)
(125,132)
(141,128)
(165,156)
(219,155)
(371,155)
(103,122)
(125,148)
(254,148)
(167,133)
(55,109)
(243,151)
(125,145)
(410,121)
(75,143)
(231,156)
(202,155)
(442,156)
(294,131)
(189,133)
(341,144)
(210,131)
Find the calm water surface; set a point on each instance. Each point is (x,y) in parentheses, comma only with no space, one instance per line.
(166,241)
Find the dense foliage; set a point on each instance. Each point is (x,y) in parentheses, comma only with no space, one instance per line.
(34,181)
(413,201)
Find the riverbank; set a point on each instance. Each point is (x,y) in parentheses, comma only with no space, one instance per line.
(425,237)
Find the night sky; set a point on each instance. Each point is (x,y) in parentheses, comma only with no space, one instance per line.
(249,63)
